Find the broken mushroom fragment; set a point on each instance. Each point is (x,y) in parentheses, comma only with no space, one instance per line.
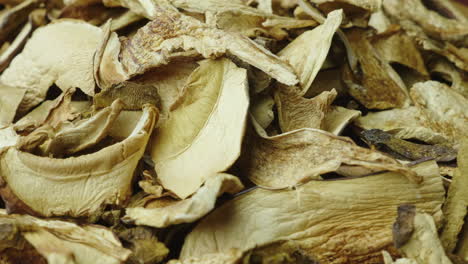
(204,132)
(144,244)
(423,244)
(67,61)
(295,157)
(171,35)
(188,210)
(65,242)
(77,186)
(341,221)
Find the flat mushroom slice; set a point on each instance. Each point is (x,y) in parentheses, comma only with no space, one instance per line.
(423,244)
(405,123)
(443,109)
(203,134)
(400,48)
(455,208)
(307,53)
(67,61)
(376,85)
(433,23)
(188,210)
(341,221)
(172,35)
(59,240)
(76,186)
(295,111)
(295,157)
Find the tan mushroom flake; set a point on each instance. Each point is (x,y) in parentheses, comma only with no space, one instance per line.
(204,133)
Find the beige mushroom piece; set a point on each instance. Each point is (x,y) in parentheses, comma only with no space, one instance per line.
(76,186)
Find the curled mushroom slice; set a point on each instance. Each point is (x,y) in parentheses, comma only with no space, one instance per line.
(316,217)
(76,186)
(338,118)
(376,85)
(67,61)
(171,35)
(450,73)
(65,242)
(443,109)
(307,53)
(298,156)
(188,210)
(357,11)
(203,134)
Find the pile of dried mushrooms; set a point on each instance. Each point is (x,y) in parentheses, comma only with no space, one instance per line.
(233,131)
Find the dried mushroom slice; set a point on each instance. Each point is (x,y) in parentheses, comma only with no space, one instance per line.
(295,111)
(400,48)
(67,61)
(8,138)
(455,208)
(307,53)
(133,95)
(145,246)
(434,24)
(239,17)
(262,110)
(405,123)
(298,156)
(188,210)
(423,246)
(71,138)
(376,85)
(76,186)
(233,256)
(66,242)
(171,35)
(443,109)
(204,132)
(357,11)
(318,217)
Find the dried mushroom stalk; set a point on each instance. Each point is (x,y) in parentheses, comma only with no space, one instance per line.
(316,217)
(64,242)
(203,134)
(298,156)
(455,208)
(423,244)
(76,186)
(171,35)
(188,210)
(67,61)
